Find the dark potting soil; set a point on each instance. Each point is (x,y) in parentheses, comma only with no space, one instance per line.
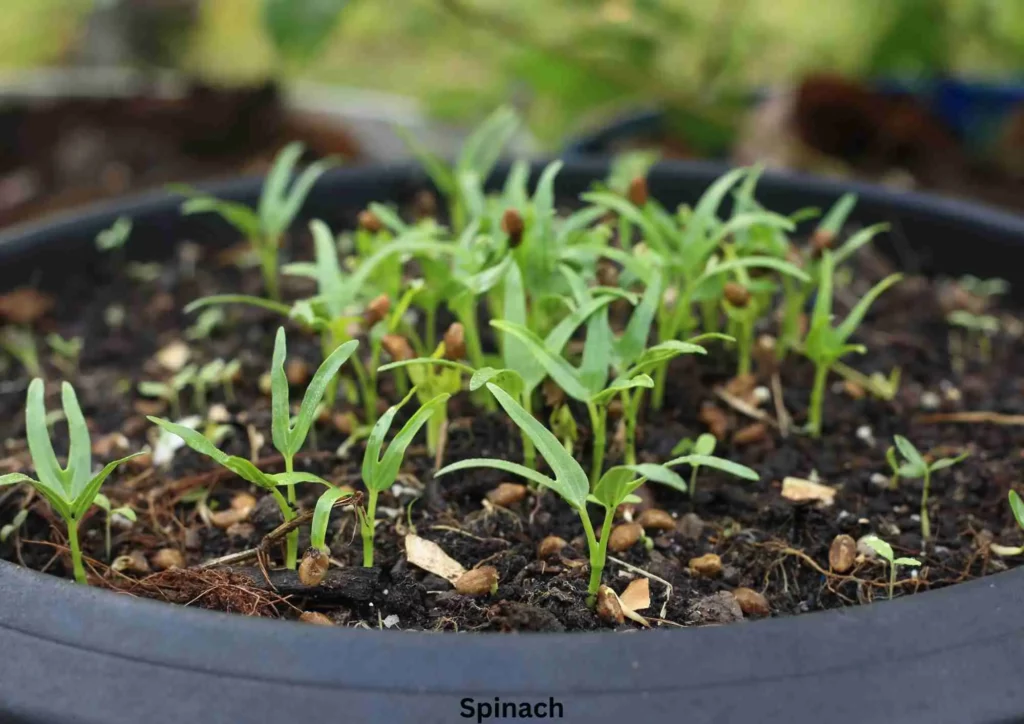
(765,542)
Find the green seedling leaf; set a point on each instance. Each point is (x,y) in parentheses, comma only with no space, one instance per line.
(880,547)
(321,516)
(710,461)
(914,459)
(1017,506)
(508,380)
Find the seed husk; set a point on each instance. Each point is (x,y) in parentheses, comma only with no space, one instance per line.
(313,567)
(478,581)
(507,494)
(708,565)
(369,221)
(637,193)
(512,224)
(167,558)
(397,346)
(455,342)
(842,554)
(376,311)
(751,602)
(316,618)
(624,536)
(550,546)
(736,294)
(608,607)
(656,519)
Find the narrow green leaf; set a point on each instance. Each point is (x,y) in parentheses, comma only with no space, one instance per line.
(838,214)
(508,380)
(85,497)
(660,474)
(283,309)
(315,393)
(906,562)
(711,461)
(879,546)
(944,463)
(503,465)
(391,463)
(909,452)
(855,242)
(43,458)
(563,373)
(280,419)
(322,514)
(570,479)
(79,467)
(856,315)
(1017,506)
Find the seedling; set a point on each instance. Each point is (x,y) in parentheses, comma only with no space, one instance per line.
(570,482)
(19,343)
(915,466)
(207,321)
(67,352)
(379,472)
(102,501)
(826,344)
(462,184)
(9,529)
(70,490)
(1017,506)
(279,204)
(884,550)
(433,377)
(701,453)
(169,391)
(116,236)
(979,328)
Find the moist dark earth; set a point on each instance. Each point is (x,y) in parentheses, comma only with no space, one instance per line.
(772,545)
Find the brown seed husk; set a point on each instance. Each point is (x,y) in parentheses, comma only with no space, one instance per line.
(637,192)
(821,240)
(512,224)
(167,558)
(316,618)
(655,519)
(455,342)
(608,607)
(369,221)
(376,311)
(397,346)
(755,432)
(708,565)
(736,294)
(478,581)
(550,546)
(507,494)
(624,536)
(313,567)
(715,418)
(751,602)
(297,372)
(842,554)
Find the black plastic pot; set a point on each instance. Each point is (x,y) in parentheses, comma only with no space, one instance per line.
(74,654)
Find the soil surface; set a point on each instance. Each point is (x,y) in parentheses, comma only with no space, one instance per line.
(765,542)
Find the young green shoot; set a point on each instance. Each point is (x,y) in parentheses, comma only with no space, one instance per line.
(103,502)
(19,343)
(289,436)
(884,550)
(70,490)
(380,471)
(570,481)
(66,352)
(116,236)
(279,204)
(247,471)
(169,391)
(979,330)
(826,344)
(1017,508)
(913,466)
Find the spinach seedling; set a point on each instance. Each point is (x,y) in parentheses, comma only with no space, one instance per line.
(9,529)
(915,466)
(67,352)
(701,453)
(102,501)
(435,376)
(247,471)
(278,206)
(462,184)
(169,391)
(19,343)
(980,328)
(570,482)
(826,344)
(70,490)
(116,236)
(1017,506)
(380,472)
(883,549)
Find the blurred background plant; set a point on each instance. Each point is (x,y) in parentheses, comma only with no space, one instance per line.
(571,66)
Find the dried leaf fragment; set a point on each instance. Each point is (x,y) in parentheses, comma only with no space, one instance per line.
(799,490)
(429,556)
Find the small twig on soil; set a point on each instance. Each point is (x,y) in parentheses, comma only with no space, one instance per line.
(742,407)
(274,536)
(781,413)
(648,574)
(980,416)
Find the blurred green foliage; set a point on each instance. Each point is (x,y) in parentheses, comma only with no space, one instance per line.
(568,64)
